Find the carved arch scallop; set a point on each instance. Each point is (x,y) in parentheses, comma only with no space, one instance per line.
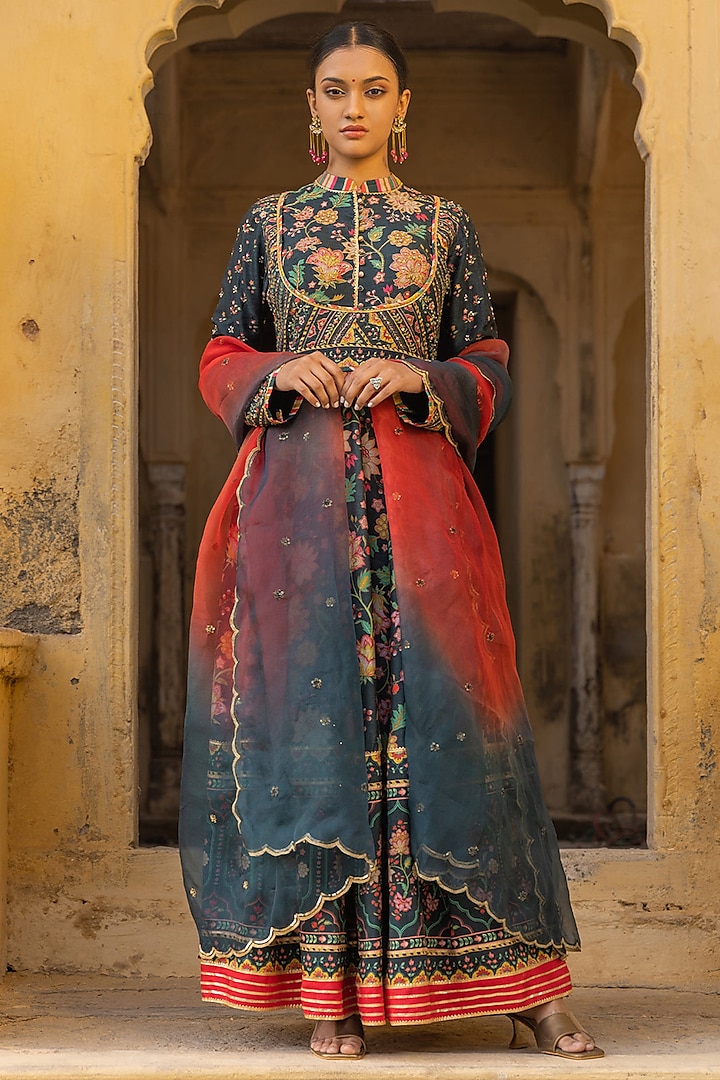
(543,18)
(588,22)
(621,29)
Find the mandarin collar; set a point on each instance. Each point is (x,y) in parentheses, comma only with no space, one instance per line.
(368,187)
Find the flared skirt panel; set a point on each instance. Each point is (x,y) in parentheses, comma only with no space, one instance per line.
(396,949)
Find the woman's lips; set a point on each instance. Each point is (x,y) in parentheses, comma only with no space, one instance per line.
(354,132)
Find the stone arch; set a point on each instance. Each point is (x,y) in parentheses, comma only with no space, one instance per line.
(538,296)
(624,34)
(582,26)
(590,22)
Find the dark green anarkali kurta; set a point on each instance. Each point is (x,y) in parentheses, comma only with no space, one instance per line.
(372,842)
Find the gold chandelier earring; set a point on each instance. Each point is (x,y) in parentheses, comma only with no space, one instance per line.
(318,147)
(398,145)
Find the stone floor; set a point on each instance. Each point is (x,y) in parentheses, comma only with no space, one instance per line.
(67,1028)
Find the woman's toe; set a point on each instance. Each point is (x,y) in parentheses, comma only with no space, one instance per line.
(577,1043)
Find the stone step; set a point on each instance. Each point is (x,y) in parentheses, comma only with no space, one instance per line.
(95,1028)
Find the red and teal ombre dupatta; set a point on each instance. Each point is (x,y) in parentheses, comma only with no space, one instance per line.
(274,817)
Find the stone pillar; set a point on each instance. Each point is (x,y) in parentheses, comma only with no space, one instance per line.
(167,482)
(587,786)
(16,655)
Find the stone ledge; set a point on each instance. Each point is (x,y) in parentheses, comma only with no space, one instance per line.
(17,651)
(65,1027)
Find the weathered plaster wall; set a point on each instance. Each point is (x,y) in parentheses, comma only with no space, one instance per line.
(81,898)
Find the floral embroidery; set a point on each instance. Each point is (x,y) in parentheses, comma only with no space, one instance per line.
(269,407)
(381,526)
(411,268)
(329,265)
(358,551)
(413,274)
(400,839)
(232,542)
(316,255)
(370,454)
(326,217)
(366,657)
(399,238)
(404,201)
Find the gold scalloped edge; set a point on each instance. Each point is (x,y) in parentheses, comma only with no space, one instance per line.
(436,403)
(559,946)
(235,629)
(494,392)
(308,839)
(276,932)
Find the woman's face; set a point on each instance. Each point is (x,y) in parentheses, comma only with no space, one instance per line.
(357,97)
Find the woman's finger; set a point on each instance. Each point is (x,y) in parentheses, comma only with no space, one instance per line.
(357,389)
(356,381)
(314,376)
(320,385)
(371,395)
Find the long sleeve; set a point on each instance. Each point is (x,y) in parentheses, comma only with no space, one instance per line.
(468,315)
(242,310)
(243,313)
(468,332)
(468,388)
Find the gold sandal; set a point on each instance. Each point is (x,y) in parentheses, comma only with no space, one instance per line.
(549,1031)
(341,1057)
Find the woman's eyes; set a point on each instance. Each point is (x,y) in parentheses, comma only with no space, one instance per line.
(372,91)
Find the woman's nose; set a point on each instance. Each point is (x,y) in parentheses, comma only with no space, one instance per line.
(353,106)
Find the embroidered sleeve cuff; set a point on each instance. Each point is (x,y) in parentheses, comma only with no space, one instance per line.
(425,410)
(271,407)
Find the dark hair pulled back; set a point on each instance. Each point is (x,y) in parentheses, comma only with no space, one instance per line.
(348,35)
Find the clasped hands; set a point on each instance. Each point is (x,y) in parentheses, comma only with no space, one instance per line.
(326,384)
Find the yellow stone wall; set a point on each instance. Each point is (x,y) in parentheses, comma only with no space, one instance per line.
(82,896)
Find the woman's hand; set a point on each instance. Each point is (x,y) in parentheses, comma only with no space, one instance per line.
(395,378)
(315,377)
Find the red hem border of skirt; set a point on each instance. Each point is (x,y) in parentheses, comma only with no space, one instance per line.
(427,1003)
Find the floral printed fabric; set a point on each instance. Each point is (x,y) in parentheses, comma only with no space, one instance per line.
(388,261)
(407,266)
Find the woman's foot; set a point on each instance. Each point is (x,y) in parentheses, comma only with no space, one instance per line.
(579,1043)
(338,1038)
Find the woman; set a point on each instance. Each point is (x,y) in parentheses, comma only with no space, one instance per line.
(362,829)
